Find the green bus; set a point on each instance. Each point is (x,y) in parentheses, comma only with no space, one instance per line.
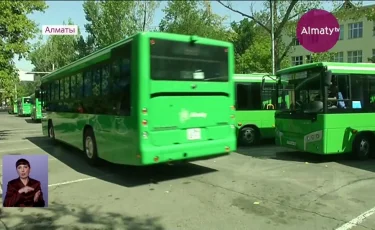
(13,107)
(36,112)
(255,107)
(332,109)
(24,106)
(151,98)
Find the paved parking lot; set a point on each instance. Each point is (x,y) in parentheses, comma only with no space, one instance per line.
(261,188)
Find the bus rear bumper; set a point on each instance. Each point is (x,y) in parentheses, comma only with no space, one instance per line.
(187,152)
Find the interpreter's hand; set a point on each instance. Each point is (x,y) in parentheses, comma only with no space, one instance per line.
(36,196)
(25,189)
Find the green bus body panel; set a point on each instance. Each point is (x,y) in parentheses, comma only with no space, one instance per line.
(24,109)
(120,139)
(329,133)
(263,119)
(36,112)
(334,132)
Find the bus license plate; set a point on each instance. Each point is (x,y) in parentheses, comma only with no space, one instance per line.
(194,134)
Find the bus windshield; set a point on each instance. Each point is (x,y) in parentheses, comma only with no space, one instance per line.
(182,61)
(301,89)
(27,100)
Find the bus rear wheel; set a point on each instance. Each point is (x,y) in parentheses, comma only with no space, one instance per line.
(248,136)
(363,147)
(51,131)
(90,149)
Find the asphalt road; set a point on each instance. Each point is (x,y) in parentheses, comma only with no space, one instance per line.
(260,188)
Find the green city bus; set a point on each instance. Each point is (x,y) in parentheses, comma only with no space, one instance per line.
(151,98)
(255,107)
(36,112)
(332,109)
(24,106)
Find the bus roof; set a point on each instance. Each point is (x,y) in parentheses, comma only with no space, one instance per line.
(105,53)
(253,77)
(335,67)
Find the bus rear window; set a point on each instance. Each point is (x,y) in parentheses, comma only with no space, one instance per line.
(27,100)
(171,60)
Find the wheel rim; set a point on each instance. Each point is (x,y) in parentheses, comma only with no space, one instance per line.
(364,147)
(249,136)
(51,134)
(89,147)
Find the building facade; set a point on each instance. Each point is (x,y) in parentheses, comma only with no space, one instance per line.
(356,43)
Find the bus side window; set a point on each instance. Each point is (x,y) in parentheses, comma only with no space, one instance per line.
(121,76)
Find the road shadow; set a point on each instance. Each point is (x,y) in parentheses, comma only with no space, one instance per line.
(4,134)
(283,154)
(31,121)
(129,176)
(61,216)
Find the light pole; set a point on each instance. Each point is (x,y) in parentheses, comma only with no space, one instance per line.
(272,37)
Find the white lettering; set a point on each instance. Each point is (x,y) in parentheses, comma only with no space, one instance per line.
(193,114)
(60,30)
(319,31)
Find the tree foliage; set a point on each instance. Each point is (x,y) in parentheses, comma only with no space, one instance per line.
(111,21)
(15,30)
(193,18)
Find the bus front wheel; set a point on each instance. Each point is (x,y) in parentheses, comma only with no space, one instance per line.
(89,147)
(51,131)
(249,136)
(363,147)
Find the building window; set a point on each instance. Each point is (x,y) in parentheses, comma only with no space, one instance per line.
(296,42)
(355,56)
(355,30)
(338,57)
(297,60)
(341,32)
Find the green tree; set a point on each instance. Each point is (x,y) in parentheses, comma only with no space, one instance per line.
(111,21)
(15,30)
(56,52)
(193,18)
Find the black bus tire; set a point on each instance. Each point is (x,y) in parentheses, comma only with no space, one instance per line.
(90,149)
(362,146)
(248,136)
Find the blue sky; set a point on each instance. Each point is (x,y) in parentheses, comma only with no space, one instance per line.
(60,11)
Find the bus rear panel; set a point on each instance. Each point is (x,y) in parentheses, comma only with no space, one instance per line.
(189,113)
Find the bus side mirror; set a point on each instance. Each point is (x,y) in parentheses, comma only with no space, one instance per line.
(262,86)
(328,78)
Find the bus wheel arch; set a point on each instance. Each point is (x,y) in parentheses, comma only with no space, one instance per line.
(363,145)
(249,135)
(90,146)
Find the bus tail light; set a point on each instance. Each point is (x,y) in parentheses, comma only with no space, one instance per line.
(233,107)
(227,149)
(144,122)
(156,159)
(354,131)
(239,124)
(144,111)
(152,42)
